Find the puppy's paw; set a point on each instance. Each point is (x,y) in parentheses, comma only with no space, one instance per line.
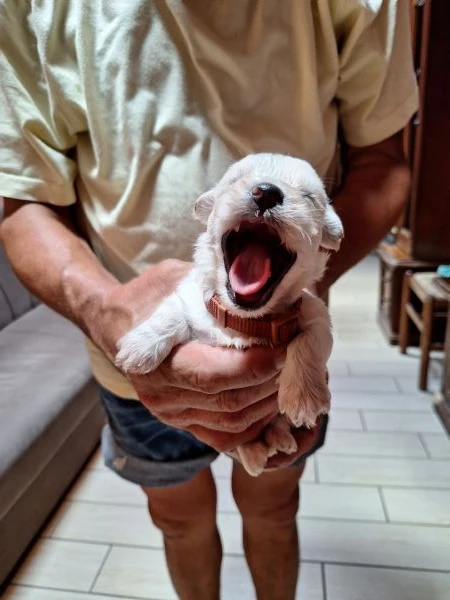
(278,437)
(303,404)
(139,350)
(254,457)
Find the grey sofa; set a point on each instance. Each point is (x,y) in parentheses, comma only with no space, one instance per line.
(50,416)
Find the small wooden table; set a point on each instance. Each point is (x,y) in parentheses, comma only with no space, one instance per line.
(425,303)
(394,263)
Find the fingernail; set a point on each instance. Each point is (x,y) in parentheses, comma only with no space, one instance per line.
(280,359)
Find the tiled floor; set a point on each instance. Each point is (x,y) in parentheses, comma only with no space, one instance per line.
(375,515)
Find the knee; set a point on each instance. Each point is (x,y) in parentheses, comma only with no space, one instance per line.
(177,515)
(277,506)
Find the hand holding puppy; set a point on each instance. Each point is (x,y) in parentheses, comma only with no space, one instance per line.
(224,396)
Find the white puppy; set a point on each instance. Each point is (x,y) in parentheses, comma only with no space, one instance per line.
(269,227)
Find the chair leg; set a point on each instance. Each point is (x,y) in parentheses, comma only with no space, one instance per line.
(403,334)
(425,342)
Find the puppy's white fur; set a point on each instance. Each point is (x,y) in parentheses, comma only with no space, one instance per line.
(307,226)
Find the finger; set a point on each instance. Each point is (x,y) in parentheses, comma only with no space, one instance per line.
(209,369)
(231,422)
(306,440)
(175,399)
(224,441)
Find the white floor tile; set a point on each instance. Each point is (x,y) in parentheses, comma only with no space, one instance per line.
(19,592)
(107,523)
(438,445)
(107,487)
(408,367)
(418,505)
(383,471)
(382,544)
(360,583)
(136,572)
(384,402)
(344,419)
(61,564)
(363,384)
(421,422)
(363,443)
(340,502)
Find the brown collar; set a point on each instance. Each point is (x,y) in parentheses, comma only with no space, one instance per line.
(277,329)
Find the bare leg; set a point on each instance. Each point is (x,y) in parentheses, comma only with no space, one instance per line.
(186,515)
(269,505)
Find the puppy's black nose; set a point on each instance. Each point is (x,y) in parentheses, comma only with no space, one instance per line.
(266,196)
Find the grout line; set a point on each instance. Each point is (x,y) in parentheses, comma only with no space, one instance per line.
(324,581)
(337,454)
(372,566)
(402,457)
(398,385)
(426,410)
(383,504)
(75,500)
(424,446)
(363,420)
(99,570)
(83,592)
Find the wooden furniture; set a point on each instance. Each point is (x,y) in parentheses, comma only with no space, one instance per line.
(394,263)
(427,217)
(423,241)
(425,303)
(443,405)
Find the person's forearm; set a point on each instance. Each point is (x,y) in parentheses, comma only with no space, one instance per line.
(369,204)
(54,263)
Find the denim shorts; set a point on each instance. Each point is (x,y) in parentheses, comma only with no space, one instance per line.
(141,449)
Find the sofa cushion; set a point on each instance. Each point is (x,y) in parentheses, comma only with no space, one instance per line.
(43,367)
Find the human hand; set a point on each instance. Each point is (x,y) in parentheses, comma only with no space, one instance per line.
(307,440)
(224,396)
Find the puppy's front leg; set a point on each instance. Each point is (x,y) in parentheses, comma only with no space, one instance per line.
(303,393)
(143,349)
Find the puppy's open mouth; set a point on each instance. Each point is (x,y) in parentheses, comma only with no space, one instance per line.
(256,261)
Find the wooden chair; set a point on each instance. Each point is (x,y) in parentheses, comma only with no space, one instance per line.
(425,303)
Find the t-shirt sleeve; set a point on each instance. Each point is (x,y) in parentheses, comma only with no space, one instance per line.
(35,140)
(377,89)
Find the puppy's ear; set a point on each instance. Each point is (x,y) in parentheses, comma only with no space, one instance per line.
(332,232)
(203,206)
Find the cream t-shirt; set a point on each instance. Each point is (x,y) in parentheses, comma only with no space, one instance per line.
(132,108)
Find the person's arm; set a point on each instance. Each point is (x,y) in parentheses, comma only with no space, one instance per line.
(370,202)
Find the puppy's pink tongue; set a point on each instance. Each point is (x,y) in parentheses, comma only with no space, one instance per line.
(250,270)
